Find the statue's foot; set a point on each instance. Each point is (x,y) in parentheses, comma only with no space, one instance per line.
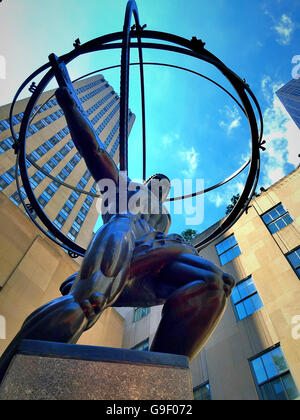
(61,320)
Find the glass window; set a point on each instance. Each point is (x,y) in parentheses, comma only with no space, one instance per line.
(63,175)
(272,376)
(228,250)
(202,392)
(87,175)
(79,221)
(47,167)
(76,226)
(73,238)
(83,210)
(61,219)
(42,201)
(277,218)
(39,124)
(64,213)
(4,147)
(245,299)
(294,259)
(89,200)
(139,313)
(72,199)
(64,151)
(143,346)
(15,197)
(73,232)
(67,208)
(81,184)
(4,125)
(3,183)
(81,215)
(57,224)
(49,191)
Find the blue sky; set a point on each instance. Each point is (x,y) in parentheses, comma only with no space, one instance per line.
(193,129)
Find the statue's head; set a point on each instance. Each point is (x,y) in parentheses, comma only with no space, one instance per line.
(159,185)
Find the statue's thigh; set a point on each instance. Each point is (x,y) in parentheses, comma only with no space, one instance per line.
(110,249)
(155,287)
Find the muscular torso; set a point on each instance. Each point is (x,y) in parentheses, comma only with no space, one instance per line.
(144,220)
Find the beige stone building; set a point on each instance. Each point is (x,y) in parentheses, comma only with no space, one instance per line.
(32,266)
(32,270)
(255,351)
(50,146)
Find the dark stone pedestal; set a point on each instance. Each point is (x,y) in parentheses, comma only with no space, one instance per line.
(55,371)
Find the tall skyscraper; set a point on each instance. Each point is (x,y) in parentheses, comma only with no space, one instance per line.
(289,95)
(50,146)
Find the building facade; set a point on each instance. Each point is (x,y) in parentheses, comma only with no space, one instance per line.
(50,146)
(255,351)
(32,266)
(289,95)
(32,269)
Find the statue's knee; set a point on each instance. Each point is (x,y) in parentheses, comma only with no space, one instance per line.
(66,286)
(194,297)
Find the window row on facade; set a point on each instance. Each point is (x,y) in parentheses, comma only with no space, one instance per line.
(271,375)
(270,372)
(17,118)
(8,177)
(35,127)
(275,219)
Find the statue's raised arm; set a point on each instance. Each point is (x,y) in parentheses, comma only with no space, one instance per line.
(82,131)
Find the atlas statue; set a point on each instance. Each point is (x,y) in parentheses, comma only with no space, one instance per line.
(131,261)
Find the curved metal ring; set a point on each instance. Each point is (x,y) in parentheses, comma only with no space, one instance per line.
(219,184)
(188,48)
(131,9)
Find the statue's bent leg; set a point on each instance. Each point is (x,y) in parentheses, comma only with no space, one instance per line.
(100,281)
(105,268)
(61,320)
(194,310)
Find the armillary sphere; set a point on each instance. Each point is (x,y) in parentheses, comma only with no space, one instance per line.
(137,37)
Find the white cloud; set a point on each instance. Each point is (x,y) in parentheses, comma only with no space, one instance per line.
(284,29)
(216,199)
(223,197)
(230,118)
(274,174)
(168,139)
(190,157)
(265,86)
(281,133)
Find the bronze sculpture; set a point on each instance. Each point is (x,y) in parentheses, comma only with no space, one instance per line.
(131,261)
(167,42)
